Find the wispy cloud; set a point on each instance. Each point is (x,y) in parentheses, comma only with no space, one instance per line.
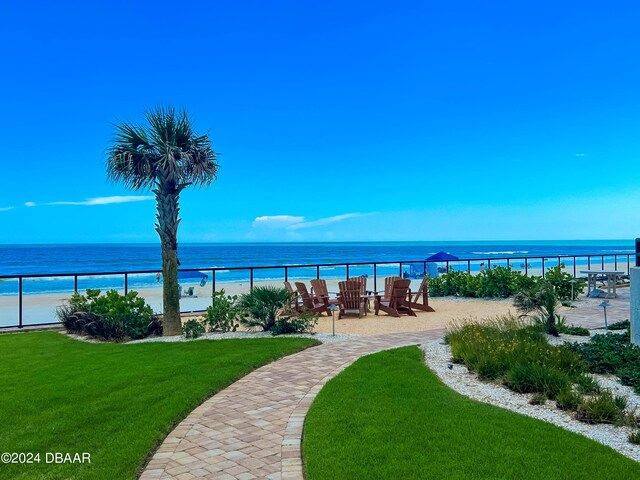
(276,221)
(29,204)
(107,200)
(4,209)
(292,223)
(579,154)
(325,221)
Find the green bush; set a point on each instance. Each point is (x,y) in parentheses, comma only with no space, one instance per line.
(634,437)
(612,353)
(110,317)
(261,306)
(222,315)
(587,385)
(193,329)
(495,282)
(568,400)
(537,378)
(561,282)
(623,325)
(602,408)
(303,322)
(538,399)
(540,303)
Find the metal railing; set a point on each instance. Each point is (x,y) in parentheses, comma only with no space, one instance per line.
(524,263)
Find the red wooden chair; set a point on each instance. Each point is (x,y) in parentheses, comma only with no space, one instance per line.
(398,302)
(351,298)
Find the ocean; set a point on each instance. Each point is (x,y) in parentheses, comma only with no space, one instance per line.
(54,260)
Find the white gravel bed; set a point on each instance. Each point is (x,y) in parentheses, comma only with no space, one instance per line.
(321,337)
(438,356)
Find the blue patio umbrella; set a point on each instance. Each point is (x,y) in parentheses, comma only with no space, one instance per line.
(193,274)
(442,257)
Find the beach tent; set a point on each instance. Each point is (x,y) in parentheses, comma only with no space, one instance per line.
(442,257)
(193,275)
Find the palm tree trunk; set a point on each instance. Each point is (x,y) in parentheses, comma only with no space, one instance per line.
(167,228)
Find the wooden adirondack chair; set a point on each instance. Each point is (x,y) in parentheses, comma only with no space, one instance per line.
(423,290)
(351,298)
(388,284)
(398,302)
(313,304)
(363,288)
(319,288)
(295,303)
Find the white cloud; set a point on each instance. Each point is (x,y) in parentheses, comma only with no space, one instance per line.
(325,221)
(276,221)
(579,154)
(292,223)
(105,200)
(4,209)
(29,204)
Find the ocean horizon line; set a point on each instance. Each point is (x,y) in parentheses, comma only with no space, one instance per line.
(556,242)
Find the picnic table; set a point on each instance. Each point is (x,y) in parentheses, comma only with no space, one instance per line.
(611,277)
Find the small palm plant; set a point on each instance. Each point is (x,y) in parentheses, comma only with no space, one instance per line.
(261,306)
(166,156)
(541,303)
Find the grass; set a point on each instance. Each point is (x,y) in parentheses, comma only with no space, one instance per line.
(388,416)
(117,402)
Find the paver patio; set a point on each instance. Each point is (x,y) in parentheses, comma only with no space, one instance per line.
(253,428)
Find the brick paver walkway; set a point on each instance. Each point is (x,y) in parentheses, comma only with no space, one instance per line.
(253,428)
(589,314)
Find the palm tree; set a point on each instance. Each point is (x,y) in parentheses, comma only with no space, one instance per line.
(166,156)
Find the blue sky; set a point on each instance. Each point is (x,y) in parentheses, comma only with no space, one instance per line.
(334,121)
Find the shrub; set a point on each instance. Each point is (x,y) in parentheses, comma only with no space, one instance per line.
(538,399)
(536,378)
(634,437)
(587,385)
(571,329)
(193,329)
(612,353)
(561,282)
(540,303)
(303,322)
(601,408)
(222,315)
(262,305)
(110,317)
(623,325)
(568,400)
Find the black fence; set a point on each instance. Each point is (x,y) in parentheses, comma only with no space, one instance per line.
(524,264)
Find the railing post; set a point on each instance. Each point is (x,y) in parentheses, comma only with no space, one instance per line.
(603,262)
(375,277)
(526,266)
(588,262)
(75,283)
(250,279)
(488,263)
(126,283)
(469,267)
(542,267)
(347,271)
(575,273)
(508,264)
(213,286)
(317,271)
(20,302)
(400,269)
(615,262)
(286,274)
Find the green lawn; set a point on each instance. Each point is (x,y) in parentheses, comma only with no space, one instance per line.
(116,402)
(389,417)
